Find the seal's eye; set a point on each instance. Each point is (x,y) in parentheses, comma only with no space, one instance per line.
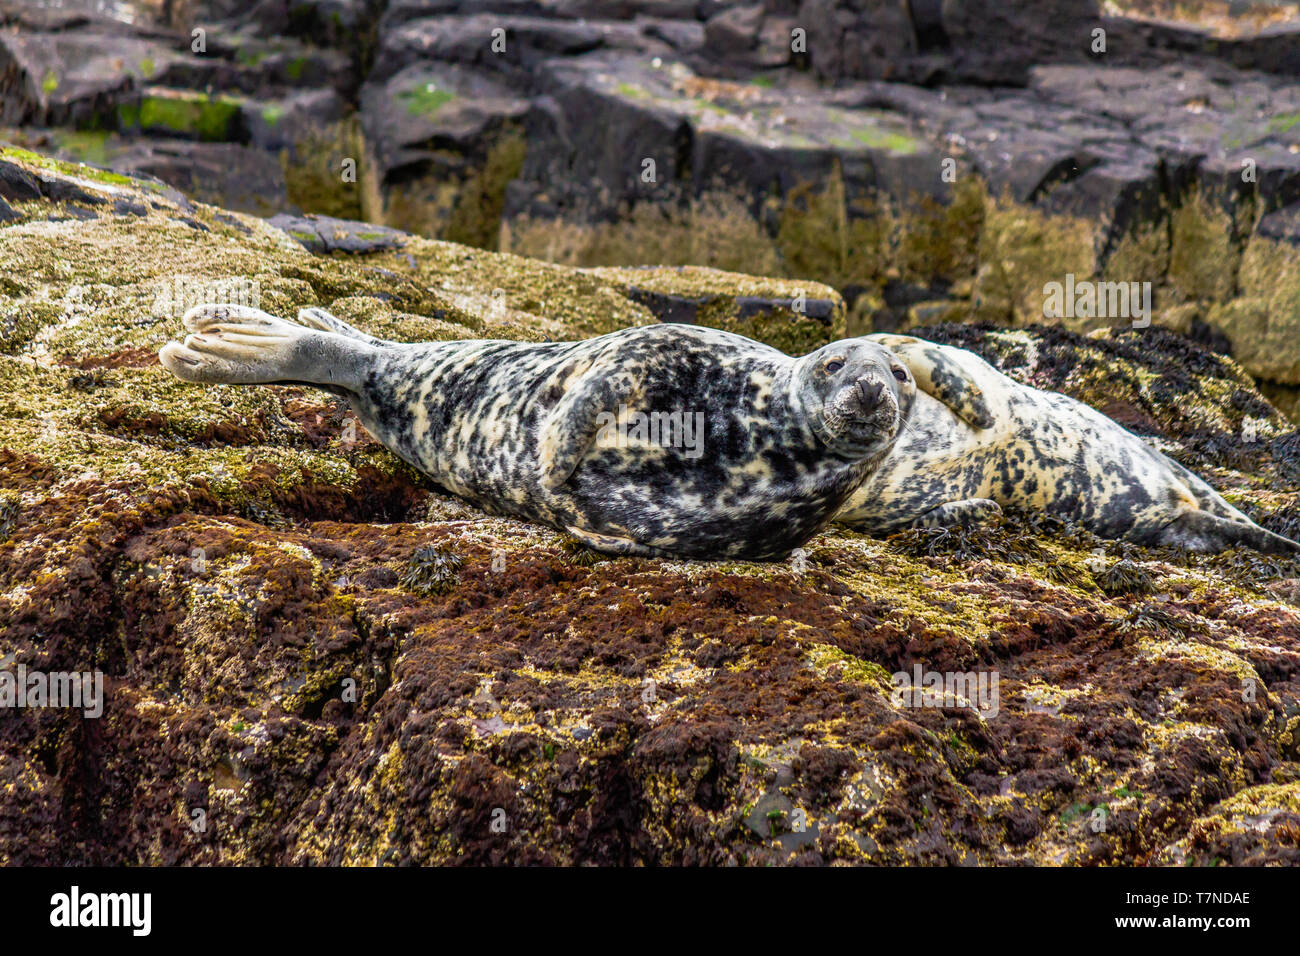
(900,375)
(833,366)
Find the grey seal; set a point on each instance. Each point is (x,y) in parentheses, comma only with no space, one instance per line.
(978,441)
(762,449)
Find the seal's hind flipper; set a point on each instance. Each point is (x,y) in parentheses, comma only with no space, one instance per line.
(959,514)
(1205,496)
(239,345)
(322,320)
(1202,531)
(611,544)
(576,420)
(938,373)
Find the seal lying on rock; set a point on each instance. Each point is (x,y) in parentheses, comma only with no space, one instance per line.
(977,440)
(761,449)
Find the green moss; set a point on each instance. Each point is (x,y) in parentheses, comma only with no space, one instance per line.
(247,56)
(68,169)
(272,113)
(1264,319)
(476,218)
(50,83)
(425,100)
(874,138)
(313,171)
(206,118)
(1021,250)
(1284,122)
(297,67)
(89,146)
(1203,258)
(779,328)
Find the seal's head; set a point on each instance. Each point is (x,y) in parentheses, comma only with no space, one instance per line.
(856,395)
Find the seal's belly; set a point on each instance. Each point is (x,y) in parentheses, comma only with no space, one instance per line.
(1070,460)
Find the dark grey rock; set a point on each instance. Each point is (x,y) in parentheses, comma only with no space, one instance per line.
(324,234)
(17,183)
(129,207)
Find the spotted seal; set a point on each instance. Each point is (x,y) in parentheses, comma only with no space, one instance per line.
(977,440)
(763,448)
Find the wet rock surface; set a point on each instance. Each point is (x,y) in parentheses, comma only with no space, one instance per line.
(312,656)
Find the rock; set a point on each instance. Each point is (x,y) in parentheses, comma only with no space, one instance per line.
(324,234)
(17,183)
(734,31)
(71,76)
(232,561)
(243,177)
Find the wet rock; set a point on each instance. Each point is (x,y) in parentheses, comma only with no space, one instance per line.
(243,177)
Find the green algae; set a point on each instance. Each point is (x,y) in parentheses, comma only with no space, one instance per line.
(425,100)
(210,119)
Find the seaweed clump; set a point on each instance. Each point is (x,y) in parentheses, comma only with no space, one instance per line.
(1152,617)
(1125,577)
(579,554)
(432,571)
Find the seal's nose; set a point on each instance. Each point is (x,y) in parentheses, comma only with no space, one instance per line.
(870,392)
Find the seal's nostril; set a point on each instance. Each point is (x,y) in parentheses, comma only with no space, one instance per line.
(870,391)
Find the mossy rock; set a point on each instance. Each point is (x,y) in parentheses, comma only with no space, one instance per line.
(340,665)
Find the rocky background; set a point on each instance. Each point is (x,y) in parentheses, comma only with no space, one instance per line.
(311,656)
(802,139)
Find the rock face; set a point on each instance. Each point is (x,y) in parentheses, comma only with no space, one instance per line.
(309,655)
(931,159)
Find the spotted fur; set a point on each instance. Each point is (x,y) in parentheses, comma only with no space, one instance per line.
(977,440)
(514,428)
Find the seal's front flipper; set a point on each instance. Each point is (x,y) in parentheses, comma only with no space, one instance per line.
(620,547)
(939,373)
(959,514)
(576,420)
(239,345)
(1202,531)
